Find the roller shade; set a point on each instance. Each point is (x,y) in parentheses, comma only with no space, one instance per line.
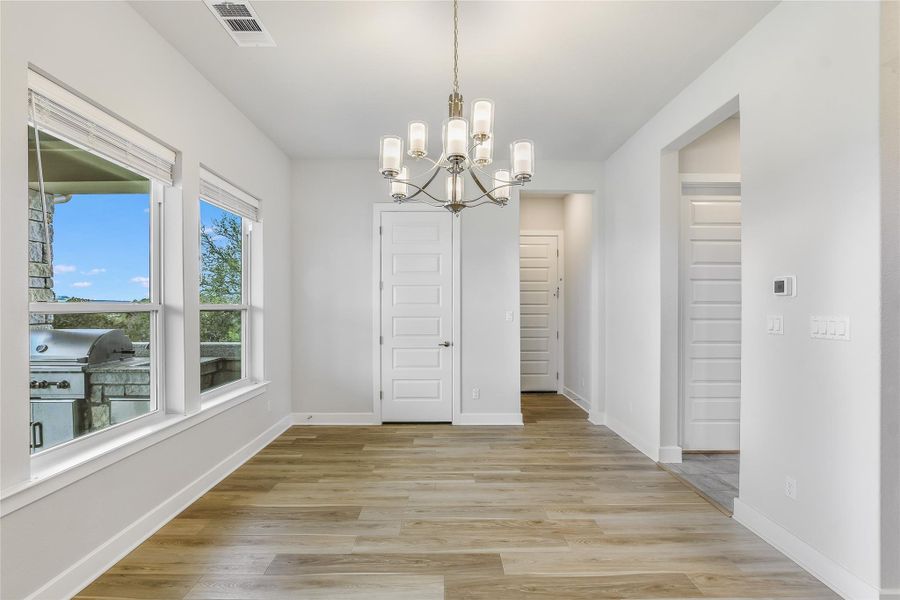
(224,195)
(63,114)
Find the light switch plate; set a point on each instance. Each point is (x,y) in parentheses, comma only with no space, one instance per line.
(829,327)
(775,324)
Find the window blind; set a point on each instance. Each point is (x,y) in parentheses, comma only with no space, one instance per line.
(224,195)
(61,113)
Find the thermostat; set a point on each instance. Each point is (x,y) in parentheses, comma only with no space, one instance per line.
(784,286)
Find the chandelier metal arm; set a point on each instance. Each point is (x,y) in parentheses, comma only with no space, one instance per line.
(481,187)
(422,190)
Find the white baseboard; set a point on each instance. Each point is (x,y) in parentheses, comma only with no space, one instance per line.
(489,419)
(597,417)
(305,418)
(670,454)
(78,576)
(890,594)
(577,400)
(624,432)
(820,566)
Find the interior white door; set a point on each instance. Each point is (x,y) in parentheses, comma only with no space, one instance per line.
(538,305)
(711,316)
(416,314)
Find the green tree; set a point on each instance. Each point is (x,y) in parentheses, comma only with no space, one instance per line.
(220,278)
(135,325)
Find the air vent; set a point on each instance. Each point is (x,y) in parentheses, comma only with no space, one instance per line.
(241,22)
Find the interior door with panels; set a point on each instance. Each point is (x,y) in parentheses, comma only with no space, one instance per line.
(711,316)
(538,310)
(416,316)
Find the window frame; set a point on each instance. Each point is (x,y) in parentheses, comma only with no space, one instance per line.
(95,440)
(212,394)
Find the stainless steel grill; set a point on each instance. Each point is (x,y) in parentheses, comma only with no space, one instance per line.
(59,383)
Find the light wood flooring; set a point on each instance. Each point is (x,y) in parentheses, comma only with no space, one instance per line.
(714,475)
(556,509)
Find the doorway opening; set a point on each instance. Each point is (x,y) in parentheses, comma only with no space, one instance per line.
(555,285)
(709,313)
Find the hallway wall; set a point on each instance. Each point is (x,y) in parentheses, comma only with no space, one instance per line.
(807,80)
(578,218)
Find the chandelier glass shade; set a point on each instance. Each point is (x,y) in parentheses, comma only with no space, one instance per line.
(467,152)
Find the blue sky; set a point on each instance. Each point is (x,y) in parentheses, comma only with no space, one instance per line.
(101,245)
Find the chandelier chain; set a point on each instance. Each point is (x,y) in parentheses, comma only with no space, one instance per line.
(456,46)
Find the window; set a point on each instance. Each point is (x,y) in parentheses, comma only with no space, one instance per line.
(92,286)
(226,224)
(94,197)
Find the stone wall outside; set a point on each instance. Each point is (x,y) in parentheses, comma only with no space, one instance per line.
(40,259)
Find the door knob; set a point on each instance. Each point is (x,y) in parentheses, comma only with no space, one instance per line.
(444,344)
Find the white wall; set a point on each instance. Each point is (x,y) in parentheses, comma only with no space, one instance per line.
(541,212)
(333,293)
(578,216)
(807,78)
(716,151)
(120,62)
(332,248)
(890,295)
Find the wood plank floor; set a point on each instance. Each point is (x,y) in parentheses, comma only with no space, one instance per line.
(557,509)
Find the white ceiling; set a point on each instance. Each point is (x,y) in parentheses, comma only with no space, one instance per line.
(576,77)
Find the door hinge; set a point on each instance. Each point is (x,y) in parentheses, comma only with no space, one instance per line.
(557,335)
(380,285)
(381,339)
(381,394)
(557,253)
(557,375)
(380,230)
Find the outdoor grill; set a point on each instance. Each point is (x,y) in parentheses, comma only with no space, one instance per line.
(59,383)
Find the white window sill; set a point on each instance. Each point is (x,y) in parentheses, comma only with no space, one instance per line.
(79,466)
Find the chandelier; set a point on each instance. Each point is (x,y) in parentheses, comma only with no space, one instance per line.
(465,151)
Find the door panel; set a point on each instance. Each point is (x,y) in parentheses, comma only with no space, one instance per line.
(416,313)
(539,296)
(711,320)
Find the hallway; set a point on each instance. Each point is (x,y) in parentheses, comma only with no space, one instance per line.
(557,509)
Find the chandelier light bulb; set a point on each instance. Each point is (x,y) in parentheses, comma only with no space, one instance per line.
(484,153)
(482,118)
(454,188)
(501,177)
(417,140)
(522,159)
(399,190)
(391,158)
(456,139)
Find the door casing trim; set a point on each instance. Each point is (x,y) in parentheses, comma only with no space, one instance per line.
(378,209)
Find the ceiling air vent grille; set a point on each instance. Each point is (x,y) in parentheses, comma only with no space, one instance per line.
(227,9)
(241,22)
(244,25)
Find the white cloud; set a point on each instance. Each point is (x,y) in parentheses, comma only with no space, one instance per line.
(146,210)
(144,281)
(81,284)
(64,269)
(94,271)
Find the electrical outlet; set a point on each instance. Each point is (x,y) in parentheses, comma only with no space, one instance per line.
(509,316)
(582,383)
(476,393)
(790,487)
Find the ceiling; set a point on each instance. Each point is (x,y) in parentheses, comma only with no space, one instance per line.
(576,77)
